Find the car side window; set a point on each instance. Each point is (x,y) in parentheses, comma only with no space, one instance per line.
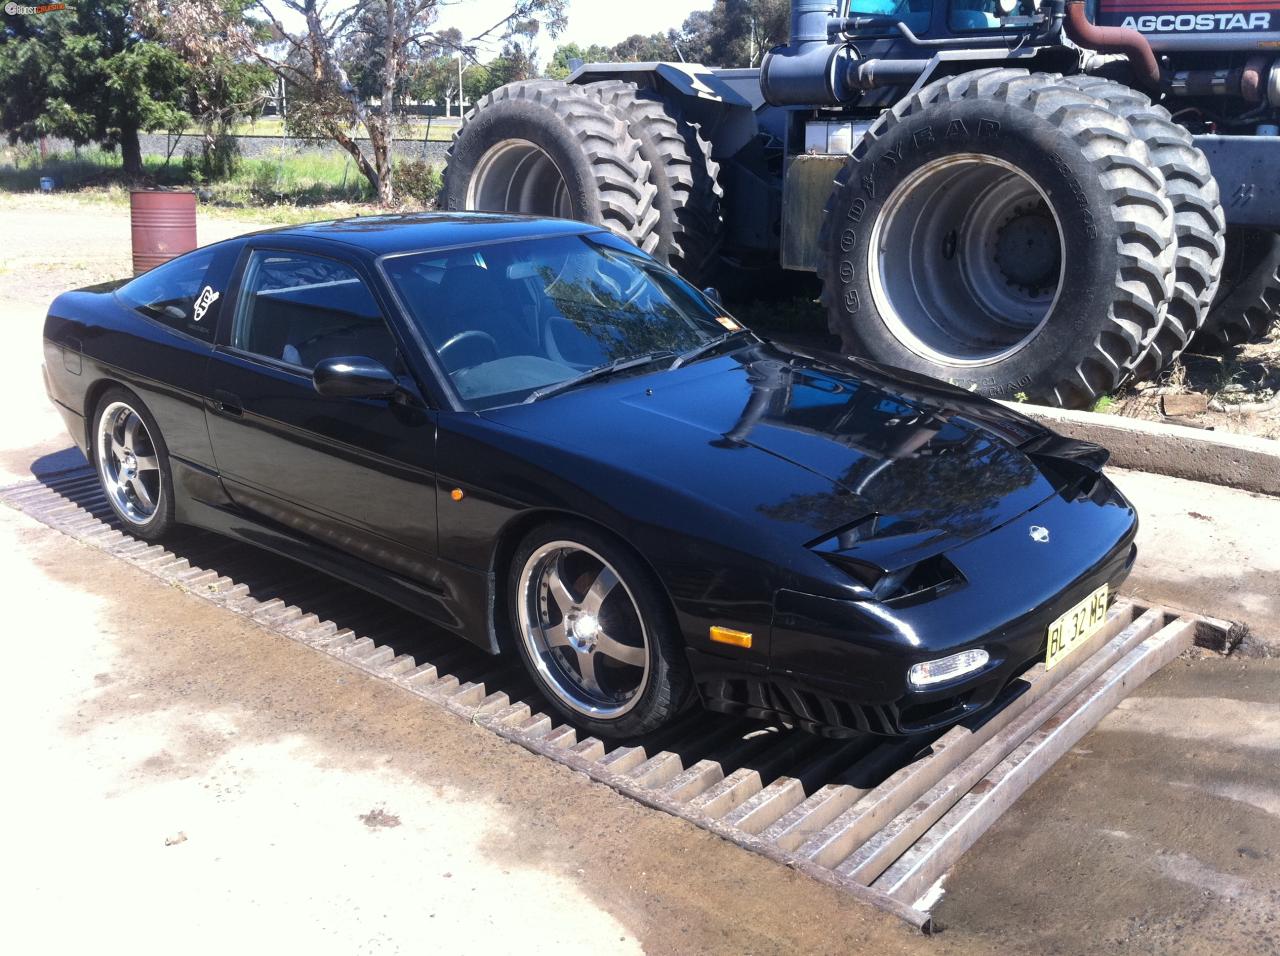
(301,309)
(174,294)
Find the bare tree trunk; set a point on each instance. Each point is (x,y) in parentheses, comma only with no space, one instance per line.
(366,168)
(380,146)
(386,109)
(131,152)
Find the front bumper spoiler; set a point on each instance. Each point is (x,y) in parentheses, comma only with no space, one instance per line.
(839,666)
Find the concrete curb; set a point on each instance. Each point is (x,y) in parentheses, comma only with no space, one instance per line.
(1220,458)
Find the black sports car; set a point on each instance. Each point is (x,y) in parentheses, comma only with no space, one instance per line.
(531,434)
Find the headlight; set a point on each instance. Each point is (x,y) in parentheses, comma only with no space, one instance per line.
(929,673)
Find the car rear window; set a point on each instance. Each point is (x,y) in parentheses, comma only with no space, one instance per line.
(175,294)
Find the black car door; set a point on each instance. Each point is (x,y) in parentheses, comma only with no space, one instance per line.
(163,358)
(354,473)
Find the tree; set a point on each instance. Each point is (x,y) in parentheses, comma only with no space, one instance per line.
(348,62)
(436,78)
(513,64)
(638,48)
(221,88)
(735,32)
(87,73)
(558,68)
(477,81)
(325,100)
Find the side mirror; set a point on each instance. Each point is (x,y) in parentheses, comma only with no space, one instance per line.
(353,376)
(712,293)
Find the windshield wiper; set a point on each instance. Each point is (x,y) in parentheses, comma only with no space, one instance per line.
(710,346)
(599,372)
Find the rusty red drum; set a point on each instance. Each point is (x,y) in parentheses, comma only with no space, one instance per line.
(163,224)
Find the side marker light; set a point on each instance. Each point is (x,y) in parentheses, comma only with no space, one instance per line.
(727,635)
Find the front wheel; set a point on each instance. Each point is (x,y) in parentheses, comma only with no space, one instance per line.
(595,631)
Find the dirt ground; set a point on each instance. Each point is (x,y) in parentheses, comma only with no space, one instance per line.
(183,778)
(1232,390)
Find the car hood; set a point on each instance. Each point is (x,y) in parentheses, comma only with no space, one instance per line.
(809,444)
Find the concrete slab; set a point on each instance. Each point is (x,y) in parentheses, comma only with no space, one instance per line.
(181,775)
(1210,548)
(1221,458)
(1159,833)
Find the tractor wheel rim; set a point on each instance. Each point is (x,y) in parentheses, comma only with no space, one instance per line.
(966,260)
(128,464)
(583,630)
(518,176)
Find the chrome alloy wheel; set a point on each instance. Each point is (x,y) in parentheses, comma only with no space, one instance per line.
(128,464)
(967,260)
(582,630)
(519,176)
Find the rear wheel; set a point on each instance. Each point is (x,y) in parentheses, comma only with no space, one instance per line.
(132,462)
(595,631)
(1004,232)
(543,148)
(689,224)
(1197,215)
(1248,299)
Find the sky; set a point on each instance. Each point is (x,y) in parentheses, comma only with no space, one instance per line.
(590,21)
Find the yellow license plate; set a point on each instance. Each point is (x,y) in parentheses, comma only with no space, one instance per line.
(1075,627)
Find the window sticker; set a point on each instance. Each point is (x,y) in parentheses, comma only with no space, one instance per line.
(206,299)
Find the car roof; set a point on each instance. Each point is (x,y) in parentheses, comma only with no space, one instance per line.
(407,232)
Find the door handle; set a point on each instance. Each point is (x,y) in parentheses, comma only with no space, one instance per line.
(227,402)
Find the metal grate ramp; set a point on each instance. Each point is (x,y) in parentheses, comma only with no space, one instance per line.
(882,820)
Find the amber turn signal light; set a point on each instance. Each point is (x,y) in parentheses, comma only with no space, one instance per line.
(456,494)
(727,635)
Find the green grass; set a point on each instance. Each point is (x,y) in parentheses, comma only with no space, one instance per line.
(22,169)
(303,179)
(293,184)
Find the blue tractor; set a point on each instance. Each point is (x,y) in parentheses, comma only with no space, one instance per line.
(1029,198)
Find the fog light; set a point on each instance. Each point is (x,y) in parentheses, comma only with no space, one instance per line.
(928,673)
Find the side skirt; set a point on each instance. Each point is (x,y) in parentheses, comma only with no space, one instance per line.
(458,603)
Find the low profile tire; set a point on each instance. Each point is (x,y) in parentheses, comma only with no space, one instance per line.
(690,224)
(595,631)
(1197,214)
(132,462)
(1248,299)
(543,148)
(1004,232)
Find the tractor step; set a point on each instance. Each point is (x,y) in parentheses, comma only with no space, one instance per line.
(881,819)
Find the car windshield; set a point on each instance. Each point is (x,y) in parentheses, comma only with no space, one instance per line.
(515,320)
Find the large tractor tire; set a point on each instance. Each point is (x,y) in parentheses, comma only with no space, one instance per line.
(690,222)
(1002,231)
(544,148)
(1197,215)
(1248,300)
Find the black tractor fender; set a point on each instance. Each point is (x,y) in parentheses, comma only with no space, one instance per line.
(722,107)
